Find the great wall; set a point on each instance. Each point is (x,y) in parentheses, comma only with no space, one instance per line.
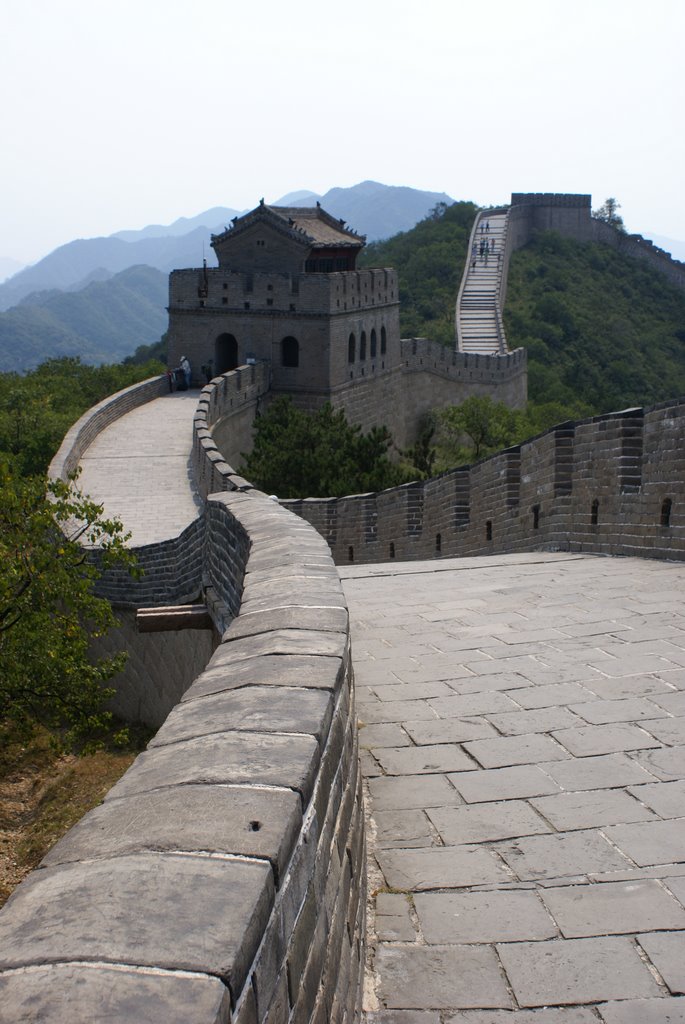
(223,878)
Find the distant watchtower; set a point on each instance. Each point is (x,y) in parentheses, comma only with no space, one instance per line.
(287,290)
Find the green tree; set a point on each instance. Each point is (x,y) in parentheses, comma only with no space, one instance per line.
(608,212)
(489,427)
(298,455)
(48,611)
(429,260)
(37,409)
(422,453)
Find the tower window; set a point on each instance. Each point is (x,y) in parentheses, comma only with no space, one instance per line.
(290,352)
(666,506)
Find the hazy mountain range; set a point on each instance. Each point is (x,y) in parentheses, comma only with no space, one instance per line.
(100,298)
(101,323)
(376,210)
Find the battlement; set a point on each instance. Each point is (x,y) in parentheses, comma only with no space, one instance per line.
(551,199)
(227,291)
(611,484)
(424,356)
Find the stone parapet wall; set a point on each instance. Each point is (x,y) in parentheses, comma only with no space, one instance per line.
(222,426)
(227,291)
(640,248)
(605,484)
(429,376)
(171,572)
(222,879)
(571,215)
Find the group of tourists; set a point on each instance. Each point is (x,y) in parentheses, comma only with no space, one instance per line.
(483,249)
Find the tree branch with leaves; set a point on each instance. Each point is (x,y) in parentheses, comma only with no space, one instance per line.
(49,613)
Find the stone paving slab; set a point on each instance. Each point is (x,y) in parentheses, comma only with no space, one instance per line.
(613,908)
(602,712)
(477,823)
(656,842)
(483,917)
(556,843)
(444,757)
(667,799)
(576,971)
(524,780)
(428,977)
(510,750)
(451,730)
(441,868)
(643,1011)
(562,854)
(569,811)
(394,793)
(667,953)
(567,1015)
(602,772)
(403,829)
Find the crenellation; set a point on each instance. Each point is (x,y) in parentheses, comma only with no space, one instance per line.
(621,461)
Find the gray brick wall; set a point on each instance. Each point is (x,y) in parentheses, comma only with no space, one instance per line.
(536,496)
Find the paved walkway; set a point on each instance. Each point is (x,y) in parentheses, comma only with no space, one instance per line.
(478,306)
(139,468)
(524,733)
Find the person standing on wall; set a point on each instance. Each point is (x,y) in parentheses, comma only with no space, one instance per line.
(185,366)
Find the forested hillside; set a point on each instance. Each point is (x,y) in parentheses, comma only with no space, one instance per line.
(102,323)
(429,261)
(597,325)
(37,409)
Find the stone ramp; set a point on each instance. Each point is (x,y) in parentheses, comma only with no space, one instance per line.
(523,726)
(478,305)
(139,469)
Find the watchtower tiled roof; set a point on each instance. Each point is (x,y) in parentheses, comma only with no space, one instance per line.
(308,225)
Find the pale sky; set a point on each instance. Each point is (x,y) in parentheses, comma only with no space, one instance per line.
(120,114)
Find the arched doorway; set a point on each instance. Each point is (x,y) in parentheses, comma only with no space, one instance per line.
(225,353)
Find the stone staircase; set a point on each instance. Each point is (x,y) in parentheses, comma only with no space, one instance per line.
(479,325)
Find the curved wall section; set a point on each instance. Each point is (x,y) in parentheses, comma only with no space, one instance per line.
(86,429)
(222,427)
(222,879)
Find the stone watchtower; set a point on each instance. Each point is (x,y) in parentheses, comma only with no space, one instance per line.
(286,290)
